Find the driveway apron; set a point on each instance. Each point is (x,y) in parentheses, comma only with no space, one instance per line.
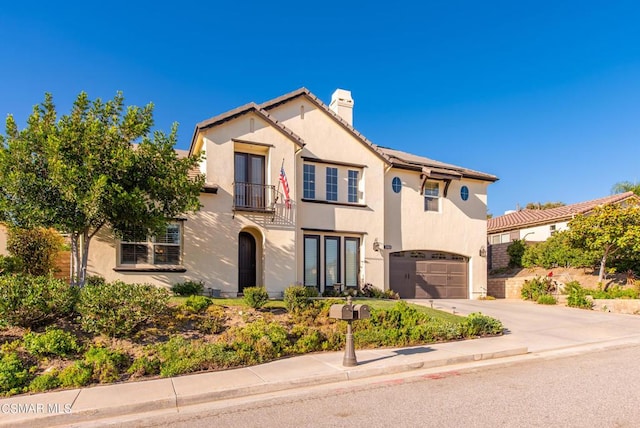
(545,327)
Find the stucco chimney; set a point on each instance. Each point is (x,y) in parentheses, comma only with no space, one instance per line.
(342,105)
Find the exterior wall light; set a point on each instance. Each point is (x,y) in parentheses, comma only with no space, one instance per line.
(483,251)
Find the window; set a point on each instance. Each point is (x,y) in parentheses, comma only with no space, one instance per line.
(431,196)
(311,261)
(309,181)
(166,247)
(162,249)
(331,260)
(552,229)
(464,193)
(352,188)
(396,184)
(332,184)
(351,261)
(500,238)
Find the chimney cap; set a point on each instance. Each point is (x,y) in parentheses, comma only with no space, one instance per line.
(342,96)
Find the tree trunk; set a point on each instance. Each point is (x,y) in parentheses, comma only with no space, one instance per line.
(603,267)
(86,239)
(75,258)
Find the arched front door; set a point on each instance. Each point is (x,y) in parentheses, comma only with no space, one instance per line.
(246,261)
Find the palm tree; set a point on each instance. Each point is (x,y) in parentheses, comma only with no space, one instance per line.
(626,186)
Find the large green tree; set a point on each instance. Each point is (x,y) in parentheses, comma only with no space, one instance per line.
(98,166)
(609,231)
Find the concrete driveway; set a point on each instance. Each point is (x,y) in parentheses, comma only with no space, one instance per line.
(544,327)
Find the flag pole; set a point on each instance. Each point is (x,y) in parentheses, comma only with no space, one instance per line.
(279,174)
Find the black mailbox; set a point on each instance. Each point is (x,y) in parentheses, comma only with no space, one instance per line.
(361,312)
(341,312)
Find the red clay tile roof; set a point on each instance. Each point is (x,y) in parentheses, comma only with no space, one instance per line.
(528,218)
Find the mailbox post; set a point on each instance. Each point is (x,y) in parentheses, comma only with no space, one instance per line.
(349,312)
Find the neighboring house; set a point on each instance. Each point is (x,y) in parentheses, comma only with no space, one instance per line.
(356,213)
(537,225)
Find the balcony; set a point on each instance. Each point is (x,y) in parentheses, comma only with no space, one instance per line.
(254,197)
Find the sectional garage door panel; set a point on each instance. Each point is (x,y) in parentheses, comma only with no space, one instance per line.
(429,275)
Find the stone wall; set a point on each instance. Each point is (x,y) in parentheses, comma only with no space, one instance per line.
(506,288)
(619,306)
(497,256)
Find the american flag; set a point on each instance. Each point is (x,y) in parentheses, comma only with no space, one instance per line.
(285,187)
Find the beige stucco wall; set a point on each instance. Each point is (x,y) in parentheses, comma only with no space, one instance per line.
(324,139)
(459,227)
(543,232)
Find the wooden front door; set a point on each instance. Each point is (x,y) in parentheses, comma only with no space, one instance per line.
(246,261)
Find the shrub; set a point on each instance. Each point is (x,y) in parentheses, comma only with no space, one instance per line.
(10,264)
(212,321)
(536,287)
(577,298)
(105,363)
(306,339)
(477,324)
(119,309)
(259,341)
(45,382)
(256,297)
(95,280)
(179,355)
(52,342)
(571,285)
(144,365)
(188,288)
(557,251)
(546,299)
(29,301)
(297,297)
(37,248)
(75,375)
(515,250)
(196,304)
(615,292)
(13,374)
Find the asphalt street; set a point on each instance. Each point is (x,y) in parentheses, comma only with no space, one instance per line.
(595,389)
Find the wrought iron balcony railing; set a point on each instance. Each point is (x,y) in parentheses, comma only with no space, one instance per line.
(254,197)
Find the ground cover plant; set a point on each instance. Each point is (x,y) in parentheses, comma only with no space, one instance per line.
(114,332)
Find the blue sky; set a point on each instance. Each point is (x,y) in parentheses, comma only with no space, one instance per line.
(545,95)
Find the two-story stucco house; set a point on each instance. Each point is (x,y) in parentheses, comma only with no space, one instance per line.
(355,212)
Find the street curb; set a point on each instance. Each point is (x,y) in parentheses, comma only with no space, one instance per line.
(176,402)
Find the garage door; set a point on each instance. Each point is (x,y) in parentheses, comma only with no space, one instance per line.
(428,275)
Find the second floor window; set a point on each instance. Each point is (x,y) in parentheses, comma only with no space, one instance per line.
(332,184)
(352,190)
(431,196)
(309,181)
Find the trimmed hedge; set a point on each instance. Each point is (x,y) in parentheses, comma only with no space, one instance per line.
(118,309)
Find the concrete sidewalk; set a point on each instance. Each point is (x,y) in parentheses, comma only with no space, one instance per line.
(551,329)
